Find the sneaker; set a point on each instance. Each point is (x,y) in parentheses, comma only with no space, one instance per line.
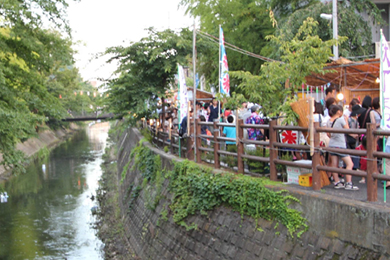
(339,185)
(349,186)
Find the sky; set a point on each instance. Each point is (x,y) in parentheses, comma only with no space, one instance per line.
(97,25)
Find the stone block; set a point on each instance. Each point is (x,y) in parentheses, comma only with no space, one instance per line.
(258,236)
(268,238)
(249,231)
(298,251)
(240,243)
(352,252)
(233,239)
(338,247)
(232,252)
(264,224)
(288,247)
(212,229)
(257,250)
(205,239)
(323,243)
(310,255)
(220,219)
(249,246)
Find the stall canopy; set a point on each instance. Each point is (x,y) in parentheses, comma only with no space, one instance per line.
(354,79)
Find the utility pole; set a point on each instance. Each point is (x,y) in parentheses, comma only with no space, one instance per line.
(194,70)
(335,30)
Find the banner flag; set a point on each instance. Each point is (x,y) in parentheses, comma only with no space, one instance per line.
(224,81)
(385,83)
(182,94)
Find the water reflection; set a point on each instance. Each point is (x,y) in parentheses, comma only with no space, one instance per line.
(48,211)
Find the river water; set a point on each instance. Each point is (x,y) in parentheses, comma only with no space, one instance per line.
(48,213)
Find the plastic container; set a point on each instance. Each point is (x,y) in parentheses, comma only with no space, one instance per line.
(306,180)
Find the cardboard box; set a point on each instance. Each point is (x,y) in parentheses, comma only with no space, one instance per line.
(294,172)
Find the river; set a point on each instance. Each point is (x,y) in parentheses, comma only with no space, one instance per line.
(48,213)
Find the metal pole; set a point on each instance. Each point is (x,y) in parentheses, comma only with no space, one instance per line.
(219,73)
(335,32)
(194,69)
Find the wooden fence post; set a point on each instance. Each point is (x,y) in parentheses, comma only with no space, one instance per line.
(216,145)
(240,147)
(190,151)
(198,140)
(273,153)
(316,159)
(372,186)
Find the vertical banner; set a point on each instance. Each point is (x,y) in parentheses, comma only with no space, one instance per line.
(385,83)
(224,81)
(182,94)
(385,95)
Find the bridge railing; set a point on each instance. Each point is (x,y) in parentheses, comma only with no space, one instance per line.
(214,146)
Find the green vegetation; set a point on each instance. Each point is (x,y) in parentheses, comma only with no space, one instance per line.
(36,67)
(197,189)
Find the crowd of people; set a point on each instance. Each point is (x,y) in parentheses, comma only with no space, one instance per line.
(356,115)
(327,112)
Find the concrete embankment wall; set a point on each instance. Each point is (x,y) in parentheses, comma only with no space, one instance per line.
(47,138)
(338,228)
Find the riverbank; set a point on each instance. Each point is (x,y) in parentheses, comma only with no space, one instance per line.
(47,139)
(110,225)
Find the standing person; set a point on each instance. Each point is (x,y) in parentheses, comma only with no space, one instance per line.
(214,110)
(255,134)
(362,165)
(183,124)
(364,118)
(329,93)
(337,140)
(226,113)
(375,112)
(230,132)
(352,139)
(206,111)
(353,102)
(330,101)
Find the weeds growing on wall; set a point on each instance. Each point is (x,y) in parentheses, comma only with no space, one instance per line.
(197,189)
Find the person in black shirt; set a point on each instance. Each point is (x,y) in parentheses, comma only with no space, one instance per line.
(214,110)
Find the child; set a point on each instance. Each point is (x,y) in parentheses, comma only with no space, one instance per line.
(362,164)
(230,132)
(337,140)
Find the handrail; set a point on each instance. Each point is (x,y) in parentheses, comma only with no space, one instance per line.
(294,146)
(341,131)
(254,126)
(293,128)
(249,141)
(274,146)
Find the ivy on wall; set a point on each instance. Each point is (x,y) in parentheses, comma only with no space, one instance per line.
(197,189)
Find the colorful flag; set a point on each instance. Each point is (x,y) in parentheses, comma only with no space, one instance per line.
(385,83)
(224,82)
(182,94)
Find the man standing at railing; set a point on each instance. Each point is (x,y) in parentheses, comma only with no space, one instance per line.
(255,119)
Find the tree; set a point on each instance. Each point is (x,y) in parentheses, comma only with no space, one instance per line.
(146,71)
(301,56)
(246,24)
(27,54)
(350,23)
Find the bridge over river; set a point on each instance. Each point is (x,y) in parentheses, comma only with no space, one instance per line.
(88,117)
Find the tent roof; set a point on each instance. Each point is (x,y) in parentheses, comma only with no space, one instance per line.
(344,72)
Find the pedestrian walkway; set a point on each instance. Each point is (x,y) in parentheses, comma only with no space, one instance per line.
(360,195)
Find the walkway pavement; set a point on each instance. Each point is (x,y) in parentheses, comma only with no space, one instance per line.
(360,195)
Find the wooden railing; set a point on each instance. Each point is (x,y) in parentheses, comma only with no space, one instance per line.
(187,150)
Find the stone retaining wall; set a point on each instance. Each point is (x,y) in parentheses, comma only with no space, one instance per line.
(47,138)
(339,229)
